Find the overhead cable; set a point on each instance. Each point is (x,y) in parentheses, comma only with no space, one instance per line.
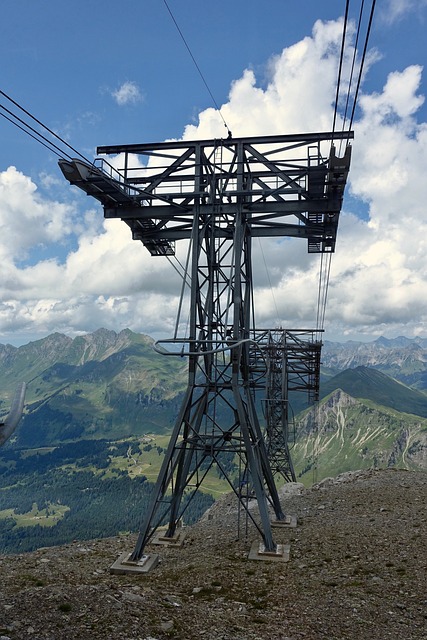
(325,265)
(371,17)
(350,81)
(344,33)
(269,282)
(37,133)
(341,61)
(60,155)
(324,277)
(197,66)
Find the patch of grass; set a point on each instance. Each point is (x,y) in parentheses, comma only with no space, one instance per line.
(47,517)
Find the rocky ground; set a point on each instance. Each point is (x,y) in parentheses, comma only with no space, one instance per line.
(357,571)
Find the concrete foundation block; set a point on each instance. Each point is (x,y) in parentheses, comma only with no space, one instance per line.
(123,565)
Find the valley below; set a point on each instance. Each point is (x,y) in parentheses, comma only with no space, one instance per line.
(100,407)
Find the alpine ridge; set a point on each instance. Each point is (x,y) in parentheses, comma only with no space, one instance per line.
(102,384)
(112,385)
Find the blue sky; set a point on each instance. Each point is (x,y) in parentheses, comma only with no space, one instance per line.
(103,73)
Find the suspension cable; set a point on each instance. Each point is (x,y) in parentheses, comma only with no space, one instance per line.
(269,282)
(360,73)
(52,146)
(197,66)
(30,115)
(325,264)
(324,277)
(60,155)
(371,17)
(353,64)
(344,32)
(186,280)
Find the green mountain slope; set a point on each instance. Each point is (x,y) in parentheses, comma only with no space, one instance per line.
(88,395)
(344,434)
(109,385)
(401,358)
(102,385)
(370,384)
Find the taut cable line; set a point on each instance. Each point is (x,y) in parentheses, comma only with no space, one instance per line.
(344,32)
(197,66)
(371,17)
(325,264)
(37,133)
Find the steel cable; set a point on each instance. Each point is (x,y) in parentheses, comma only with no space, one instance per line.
(30,115)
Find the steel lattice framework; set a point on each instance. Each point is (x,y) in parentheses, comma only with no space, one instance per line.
(284,361)
(218,195)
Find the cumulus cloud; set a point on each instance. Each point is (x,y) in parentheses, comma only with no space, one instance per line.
(298,97)
(26,220)
(107,280)
(379,272)
(395,10)
(378,282)
(127,93)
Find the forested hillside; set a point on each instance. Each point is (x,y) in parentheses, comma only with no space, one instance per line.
(101,385)
(83,490)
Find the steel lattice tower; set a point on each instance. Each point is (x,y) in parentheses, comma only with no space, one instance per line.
(284,361)
(218,195)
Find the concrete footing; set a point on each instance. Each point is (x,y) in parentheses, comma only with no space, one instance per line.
(286,523)
(176,540)
(123,565)
(259,552)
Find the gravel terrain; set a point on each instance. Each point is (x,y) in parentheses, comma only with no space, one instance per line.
(357,571)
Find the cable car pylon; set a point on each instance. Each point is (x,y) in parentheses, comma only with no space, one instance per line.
(270,186)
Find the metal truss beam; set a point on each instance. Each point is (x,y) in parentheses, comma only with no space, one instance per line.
(287,185)
(218,422)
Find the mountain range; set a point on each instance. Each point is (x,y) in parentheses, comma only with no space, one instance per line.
(104,384)
(373,407)
(372,410)
(99,409)
(401,358)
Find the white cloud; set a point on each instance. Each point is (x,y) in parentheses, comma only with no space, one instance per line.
(395,10)
(26,220)
(379,272)
(127,93)
(297,98)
